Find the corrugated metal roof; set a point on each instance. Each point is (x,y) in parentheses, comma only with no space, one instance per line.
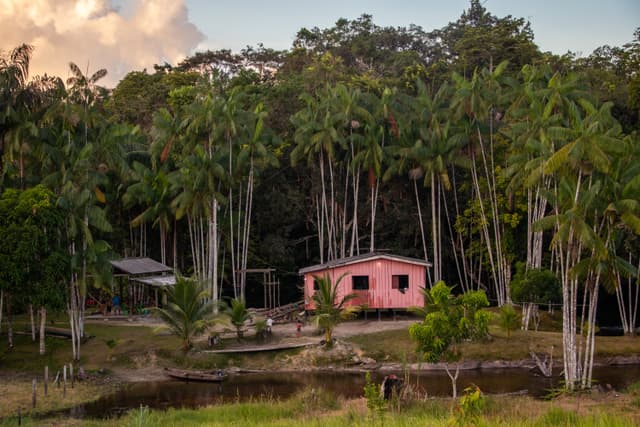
(365,257)
(157,280)
(140,266)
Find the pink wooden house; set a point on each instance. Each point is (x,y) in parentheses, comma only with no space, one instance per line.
(380,281)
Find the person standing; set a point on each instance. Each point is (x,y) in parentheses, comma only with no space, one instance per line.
(298,328)
(269,325)
(115,301)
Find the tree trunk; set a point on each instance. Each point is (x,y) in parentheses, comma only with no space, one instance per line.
(422,234)
(43,322)
(1,308)
(9,321)
(33,323)
(213,250)
(434,232)
(373,210)
(453,378)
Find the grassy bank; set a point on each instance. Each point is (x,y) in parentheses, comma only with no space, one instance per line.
(122,345)
(15,394)
(317,408)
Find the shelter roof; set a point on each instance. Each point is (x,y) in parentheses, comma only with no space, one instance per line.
(371,256)
(134,266)
(158,281)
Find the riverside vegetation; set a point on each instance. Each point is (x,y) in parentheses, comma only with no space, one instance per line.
(466,145)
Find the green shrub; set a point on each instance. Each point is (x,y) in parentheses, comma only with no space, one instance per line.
(508,319)
(373,394)
(470,407)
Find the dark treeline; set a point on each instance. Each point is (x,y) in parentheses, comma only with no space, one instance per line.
(466,146)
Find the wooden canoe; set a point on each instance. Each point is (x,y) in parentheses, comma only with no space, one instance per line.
(214,376)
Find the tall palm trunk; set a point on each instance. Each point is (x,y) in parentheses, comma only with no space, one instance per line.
(355,244)
(323,213)
(163,243)
(247,228)
(502,276)
(568,259)
(628,309)
(43,322)
(213,253)
(422,234)
(485,229)
(9,320)
(1,307)
(372,189)
(33,323)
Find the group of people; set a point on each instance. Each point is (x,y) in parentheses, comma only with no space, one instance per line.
(114,306)
(270,326)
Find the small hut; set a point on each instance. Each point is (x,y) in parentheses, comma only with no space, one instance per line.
(145,277)
(379,280)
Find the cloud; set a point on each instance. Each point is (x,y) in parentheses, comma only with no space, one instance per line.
(95,34)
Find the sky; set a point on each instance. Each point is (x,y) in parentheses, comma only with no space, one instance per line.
(126,35)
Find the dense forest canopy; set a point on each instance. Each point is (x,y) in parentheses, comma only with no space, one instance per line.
(466,146)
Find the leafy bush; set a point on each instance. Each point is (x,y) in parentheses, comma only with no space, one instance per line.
(375,400)
(470,407)
(537,286)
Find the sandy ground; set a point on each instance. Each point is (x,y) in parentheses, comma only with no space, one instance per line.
(148,370)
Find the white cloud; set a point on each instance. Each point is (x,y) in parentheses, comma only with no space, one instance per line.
(94,33)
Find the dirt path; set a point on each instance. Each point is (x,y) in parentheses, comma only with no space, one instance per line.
(345,329)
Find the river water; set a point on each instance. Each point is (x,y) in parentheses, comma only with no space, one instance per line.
(177,394)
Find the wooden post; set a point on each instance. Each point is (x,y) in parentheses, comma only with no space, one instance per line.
(46,379)
(33,393)
(71,374)
(64,379)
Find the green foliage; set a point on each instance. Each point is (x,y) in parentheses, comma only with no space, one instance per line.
(236,311)
(186,314)
(330,309)
(35,263)
(537,286)
(470,407)
(508,319)
(372,392)
(448,321)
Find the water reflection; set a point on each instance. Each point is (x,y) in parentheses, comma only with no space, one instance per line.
(166,394)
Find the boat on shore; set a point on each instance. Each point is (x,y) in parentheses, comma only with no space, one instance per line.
(214,376)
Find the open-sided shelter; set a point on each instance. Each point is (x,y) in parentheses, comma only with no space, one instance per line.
(380,280)
(144,275)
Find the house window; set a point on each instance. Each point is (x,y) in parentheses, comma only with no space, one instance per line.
(316,286)
(400,282)
(360,283)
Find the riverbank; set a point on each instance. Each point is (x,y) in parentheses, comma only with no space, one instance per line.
(315,407)
(123,352)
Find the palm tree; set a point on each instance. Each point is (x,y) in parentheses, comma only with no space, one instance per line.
(22,103)
(475,103)
(331,309)
(186,314)
(238,314)
(579,167)
(255,155)
(152,190)
(317,135)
